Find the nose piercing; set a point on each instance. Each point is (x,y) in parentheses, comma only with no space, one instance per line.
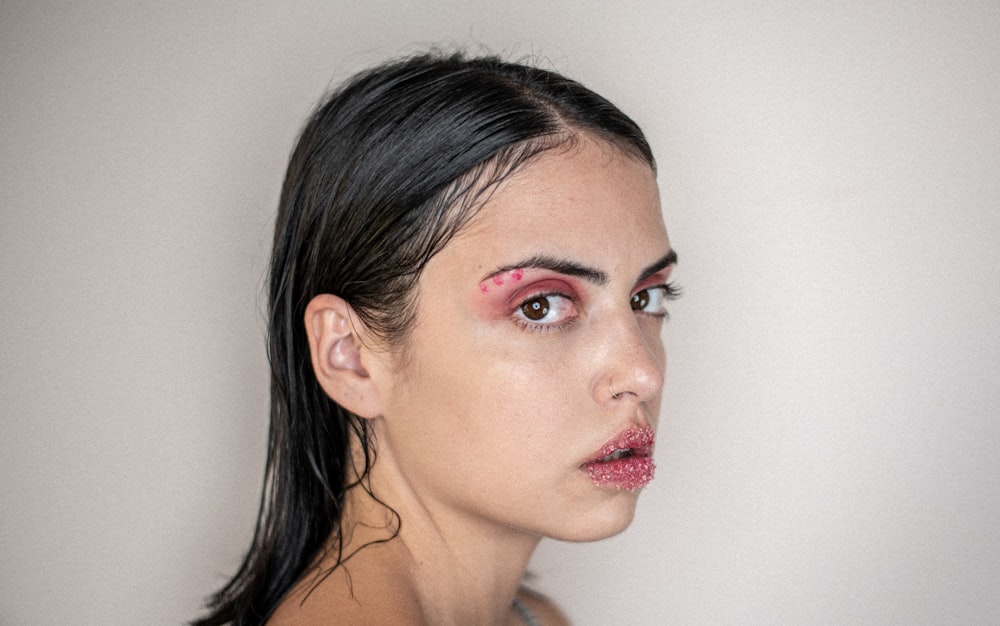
(612,388)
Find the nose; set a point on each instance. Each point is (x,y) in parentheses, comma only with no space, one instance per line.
(632,362)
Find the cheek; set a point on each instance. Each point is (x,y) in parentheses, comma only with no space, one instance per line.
(538,395)
(491,377)
(653,334)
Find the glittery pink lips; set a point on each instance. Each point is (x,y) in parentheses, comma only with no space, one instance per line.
(626,461)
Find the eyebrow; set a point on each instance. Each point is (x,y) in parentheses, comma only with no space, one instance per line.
(571,268)
(666,261)
(561,266)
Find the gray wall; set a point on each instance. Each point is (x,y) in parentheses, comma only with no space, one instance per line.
(831,176)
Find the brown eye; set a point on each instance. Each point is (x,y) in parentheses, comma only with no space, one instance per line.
(536,309)
(640,300)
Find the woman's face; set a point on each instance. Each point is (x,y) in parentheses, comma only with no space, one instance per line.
(536,352)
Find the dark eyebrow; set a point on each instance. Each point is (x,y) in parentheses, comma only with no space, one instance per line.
(561,266)
(570,268)
(668,259)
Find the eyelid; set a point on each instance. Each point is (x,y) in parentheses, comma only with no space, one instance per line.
(664,292)
(658,279)
(551,289)
(671,291)
(564,308)
(542,287)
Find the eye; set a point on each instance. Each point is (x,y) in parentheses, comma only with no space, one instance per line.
(545,310)
(536,309)
(653,300)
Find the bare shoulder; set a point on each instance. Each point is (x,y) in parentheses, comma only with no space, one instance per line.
(547,611)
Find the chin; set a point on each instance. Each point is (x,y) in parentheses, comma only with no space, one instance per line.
(606,520)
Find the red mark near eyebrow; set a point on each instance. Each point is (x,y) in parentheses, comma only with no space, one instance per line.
(515,275)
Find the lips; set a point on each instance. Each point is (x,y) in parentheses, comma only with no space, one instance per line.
(625,462)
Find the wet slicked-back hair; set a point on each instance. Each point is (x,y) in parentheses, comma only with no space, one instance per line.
(386,171)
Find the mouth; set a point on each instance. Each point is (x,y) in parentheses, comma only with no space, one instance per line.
(625,462)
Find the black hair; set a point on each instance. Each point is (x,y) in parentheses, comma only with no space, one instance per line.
(385,172)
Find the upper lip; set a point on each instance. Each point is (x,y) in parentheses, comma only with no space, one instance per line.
(637,439)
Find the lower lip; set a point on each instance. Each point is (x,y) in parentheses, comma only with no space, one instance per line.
(629,474)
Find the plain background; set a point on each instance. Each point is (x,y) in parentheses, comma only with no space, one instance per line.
(830,445)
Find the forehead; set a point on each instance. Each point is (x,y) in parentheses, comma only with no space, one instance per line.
(572,200)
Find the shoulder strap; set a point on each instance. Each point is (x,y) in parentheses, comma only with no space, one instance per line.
(525,613)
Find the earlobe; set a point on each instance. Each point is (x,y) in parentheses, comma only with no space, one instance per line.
(338,355)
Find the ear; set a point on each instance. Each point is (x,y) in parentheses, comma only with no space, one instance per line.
(339,356)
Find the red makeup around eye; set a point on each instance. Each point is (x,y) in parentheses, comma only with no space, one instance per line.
(660,278)
(499,295)
(498,280)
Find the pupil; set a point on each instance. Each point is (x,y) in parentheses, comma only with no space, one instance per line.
(536,308)
(640,300)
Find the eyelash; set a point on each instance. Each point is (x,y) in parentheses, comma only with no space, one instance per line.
(533,325)
(669,290)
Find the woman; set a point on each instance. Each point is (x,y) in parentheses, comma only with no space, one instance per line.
(467,290)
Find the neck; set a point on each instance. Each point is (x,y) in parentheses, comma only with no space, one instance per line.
(458,567)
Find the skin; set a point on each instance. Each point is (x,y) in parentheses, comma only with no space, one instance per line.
(484,417)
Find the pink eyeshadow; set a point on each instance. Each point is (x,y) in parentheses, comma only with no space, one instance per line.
(515,275)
